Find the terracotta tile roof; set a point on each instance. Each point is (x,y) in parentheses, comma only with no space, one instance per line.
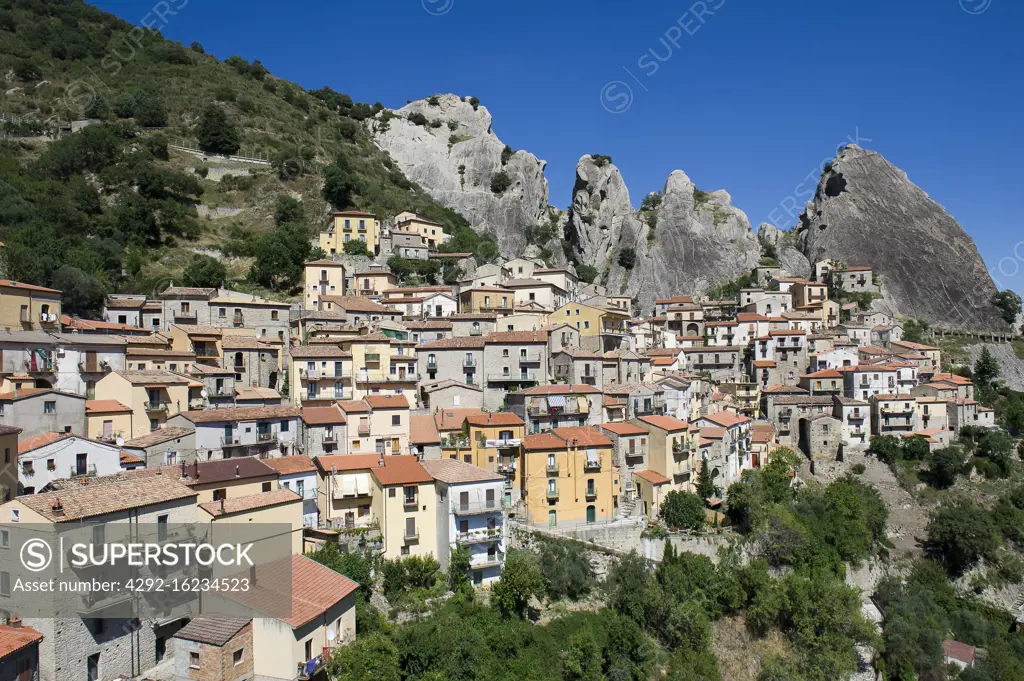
(248,392)
(712,433)
(452,419)
(824,373)
(561,389)
(585,436)
(241,414)
(958,651)
(37,441)
(674,300)
(13,639)
(354,406)
(315,590)
(579,353)
(542,441)
(215,631)
(158,436)
(249,502)
(470,342)
(780,388)
(663,361)
(453,471)
(612,402)
(668,423)
(429,324)
(805,400)
(401,470)
(289,465)
(346,462)
(358,303)
(159,352)
(622,428)
(787,332)
(488,289)
(222,470)
(746,317)
(105,407)
(422,430)
(501,418)
(89,501)
(652,477)
(517,337)
(322,416)
(764,363)
(22,393)
(153,377)
(727,419)
(387,401)
(9,430)
(124,303)
(31,287)
(332,350)
(130,459)
(240,342)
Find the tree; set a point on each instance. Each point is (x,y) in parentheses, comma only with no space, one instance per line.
(627,258)
(149,112)
(963,532)
(288,209)
(566,568)
(684,510)
(997,447)
(197,46)
(205,272)
(632,589)
(216,133)
(1009,304)
(81,292)
(353,564)
(986,369)
(886,448)
(356,247)
(340,185)
(458,567)
(521,579)
(915,448)
(26,70)
(705,485)
(946,464)
(500,181)
(854,518)
(587,273)
(369,658)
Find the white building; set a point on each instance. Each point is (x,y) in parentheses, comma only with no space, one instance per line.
(439,305)
(243,431)
(55,456)
(470,512)
(298,473)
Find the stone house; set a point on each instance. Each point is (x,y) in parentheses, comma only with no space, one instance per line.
(785,412)
(473,324)
(324,431)
(820,437)
(449,393)
(458,359)
(545,407)
(240,432)
(164,447)
(630,451)
(39,410)
(576,365)
(855,421)
(513,361)
(256,363)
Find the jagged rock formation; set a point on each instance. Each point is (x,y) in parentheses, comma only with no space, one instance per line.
(789,256)
(455,161)
(690,242)
(867,212)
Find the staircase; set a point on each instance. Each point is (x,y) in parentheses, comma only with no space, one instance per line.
(626,508)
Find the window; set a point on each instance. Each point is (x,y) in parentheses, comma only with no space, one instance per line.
(222,312)
(193,660)
(5,583)
(391,492)
(586,324)
(50,407)
(266,487)
(219,494)
(238,656)
(410,494)
(5,539)
(396,420)
(284,426)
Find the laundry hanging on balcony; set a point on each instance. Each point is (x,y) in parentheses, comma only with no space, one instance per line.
(556,401)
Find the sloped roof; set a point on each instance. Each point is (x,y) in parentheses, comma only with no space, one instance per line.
(401,470)
(453,471)
(214,631)
(289,465)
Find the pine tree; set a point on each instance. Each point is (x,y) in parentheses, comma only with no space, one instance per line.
(705,485)
(986,368)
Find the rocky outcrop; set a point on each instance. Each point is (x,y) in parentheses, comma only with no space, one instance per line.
(789,256)
(691,241)
(454,156)
(867,212)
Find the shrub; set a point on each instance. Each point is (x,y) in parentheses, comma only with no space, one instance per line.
(417,118)
(26,70)
(566,568)
(651,201)
(946,464)
(411,572)
(587,273)
(684,510)
(627,258)
(600,160)
(217,134)
(205,272)
(436,123)
(474,102)
(506,154)
(202,171)
(356,247)
(500,181)
(858,468)
(434,101)
(963,532)
(453,126)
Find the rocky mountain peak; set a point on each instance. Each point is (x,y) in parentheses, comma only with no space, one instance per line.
(865,211)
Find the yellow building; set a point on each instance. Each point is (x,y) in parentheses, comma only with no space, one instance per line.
(276,507)
(495,441)
(29,308)
(568,477)
(601,328)
(487,299)
(322,278)
(380,366)
(351,225)
(153,396)
(320,373)
(9,464)
(345,489)
(671,451)
(372,283)
(204,342)
(432,232)
(108,420)
(404,504)
(651,488)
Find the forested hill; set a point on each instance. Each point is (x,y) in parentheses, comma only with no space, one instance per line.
(111,208)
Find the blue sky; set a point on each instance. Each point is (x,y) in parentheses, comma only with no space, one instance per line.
(750,98)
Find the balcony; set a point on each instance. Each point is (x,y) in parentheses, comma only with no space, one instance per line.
(238,319)
(475,331)
(897,409)
(363,429)
(110,437)
(330,438)
(476,508)
(92,367)
(681,449)
(509,443)
(156,406)
(491,562)
(468,362)
(83,471)
(266,437)
(639,452)
(369,292)
(508,468)
(529,358)
(36,366)
(521,377)
(188,316)
(231,442)
(196,403)
(592,465)
(410,502)
(454,442)
(372,357)
(552,493)
(613,330)
(591,494)
(552,467)
(309,374)
(431,365)
(482,535)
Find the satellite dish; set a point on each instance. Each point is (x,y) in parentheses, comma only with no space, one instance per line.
(330,635)
(203,393)
(119,441)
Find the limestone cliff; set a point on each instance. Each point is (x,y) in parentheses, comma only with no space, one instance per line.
(789,256)
(867,212)
(688,242)
(453,154)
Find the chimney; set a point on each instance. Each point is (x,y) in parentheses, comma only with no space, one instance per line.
(222,505)
(380,461)
(490,417)
(252,574)
(238,471)
(57,508)
(195,469)
(14,622)
(182,470)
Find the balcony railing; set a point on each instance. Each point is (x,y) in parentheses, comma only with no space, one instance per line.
(156,406)
(475,508)
(475,332)
(34,365)
(92,367)
(410,502)
(591,494)
(468,362)
(480,535)
(431,365)
(88,471)
(238,320)
(592,465)
(330,439)
(681,449)
(552,467)
(231,442)
(638,452)
(529,358)
(196,403)
(552,493)
(266,437)
(110,437)
(453,442)
(521,377)
(185,314)
(363,429)
(372,357)
(508,468)
(310,374)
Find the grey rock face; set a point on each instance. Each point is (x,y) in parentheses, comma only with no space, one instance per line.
(696,240)
(867,212)
(789,256)
(456,165)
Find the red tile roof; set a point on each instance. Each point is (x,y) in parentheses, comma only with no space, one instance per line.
(249,502)
(289,465)
(669,423)
(387,401)
(423,431)
(37,441)
(561,389)
(583,436)
(542,441)
(622,428)
(501,418)
(13,639)
(322,416)
(727,419)
(401,470)
(652,477)
(453,418)
(347,462)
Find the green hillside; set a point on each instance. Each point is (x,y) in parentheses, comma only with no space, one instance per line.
(111,208)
